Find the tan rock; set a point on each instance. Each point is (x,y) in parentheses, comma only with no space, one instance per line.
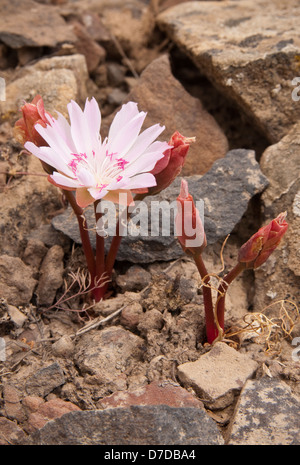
(106,356)
(31,198)
(34,253)
(85,45)
(11,433)
(31,24)
(16,316)
(63,346)
(56,79)
(251,57)
(16,281)
(57,87)
(12,403)
(151,320)
(218,375)
(130,315)
(75,63)
(51,275)
(167,102)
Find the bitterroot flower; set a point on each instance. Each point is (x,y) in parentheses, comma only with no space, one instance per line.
(98,168)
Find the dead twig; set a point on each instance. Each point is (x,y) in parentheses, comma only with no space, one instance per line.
(83,280)
(270,329)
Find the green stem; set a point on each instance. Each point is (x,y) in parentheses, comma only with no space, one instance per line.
(211,328)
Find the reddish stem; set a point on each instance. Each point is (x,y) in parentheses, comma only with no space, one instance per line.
(84,234)
(100,259)
(231,275)
(113,250)
(211,328)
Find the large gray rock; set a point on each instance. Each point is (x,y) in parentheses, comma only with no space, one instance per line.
(249,56)
(267,413)
(225,189)
(135,425)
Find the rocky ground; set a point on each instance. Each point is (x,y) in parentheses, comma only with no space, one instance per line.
(219,71)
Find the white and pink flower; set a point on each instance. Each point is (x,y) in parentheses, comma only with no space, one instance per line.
(96,169)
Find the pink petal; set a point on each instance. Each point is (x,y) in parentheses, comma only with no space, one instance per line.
(85,177)
(127,112)
(49,156)
(93,118)
(141,180)
(127,135)
(143,141)
(64,180)
(79,129)
(62,126)
(54,140)
(148,160)
(97,193)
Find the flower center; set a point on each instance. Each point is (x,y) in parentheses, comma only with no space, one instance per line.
(104,173)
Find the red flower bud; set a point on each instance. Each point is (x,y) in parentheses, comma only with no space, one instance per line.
(33,113)
(24,130)
(170,166)
(260,246)
(189,227)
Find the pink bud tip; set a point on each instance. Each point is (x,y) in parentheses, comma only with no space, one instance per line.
(184,189)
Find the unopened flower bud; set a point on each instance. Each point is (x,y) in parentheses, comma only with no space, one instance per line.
(33,113)
(170,166)
(189,227)
(24,131)
(260,246)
